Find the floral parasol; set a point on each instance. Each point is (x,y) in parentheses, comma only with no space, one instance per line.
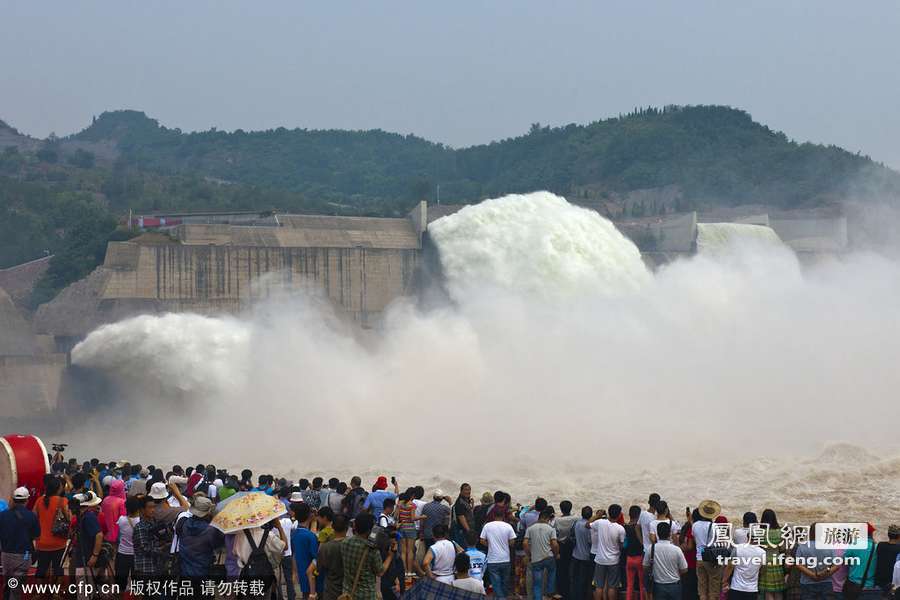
(252,510)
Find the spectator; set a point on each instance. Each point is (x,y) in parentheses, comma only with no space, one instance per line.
(463,517)
(477,558)
(862,570)
(709,576)
(304,544)
(463,580)
(582,557)
(150,551)
(19,528)
(610,537)
(362,563)
(542,547)
(435,513)
(668,565)
(885,557)
(198,542)
(440,556)
(771,576)
(564,525)
(50,546)
(634,553)
(479,513)
(125,551)
(498,537)
(815,572)
(329,562)
(374,502)
(111,508)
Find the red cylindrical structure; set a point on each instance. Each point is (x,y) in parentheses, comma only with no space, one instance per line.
(23,463)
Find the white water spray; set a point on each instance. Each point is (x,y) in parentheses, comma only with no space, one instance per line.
(561,353)
(536,244)
(722,237)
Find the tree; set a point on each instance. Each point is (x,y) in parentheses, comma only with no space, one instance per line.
(48,154)
(82,158)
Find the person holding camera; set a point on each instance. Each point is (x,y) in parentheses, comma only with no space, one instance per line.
(149,543)
(361,560)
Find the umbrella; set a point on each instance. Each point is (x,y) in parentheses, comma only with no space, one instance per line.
(250,510)
(231,498)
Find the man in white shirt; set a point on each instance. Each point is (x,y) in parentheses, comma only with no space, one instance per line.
(669,564)
(441,556)
(741,574)
(610,537)
(647,517)
(287,559)
(499,536)
(895,582)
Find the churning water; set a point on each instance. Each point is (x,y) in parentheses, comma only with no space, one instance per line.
(562,366)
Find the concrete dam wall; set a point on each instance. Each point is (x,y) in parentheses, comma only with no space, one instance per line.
(361,282)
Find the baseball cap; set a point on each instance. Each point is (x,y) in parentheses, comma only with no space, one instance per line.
(21,493)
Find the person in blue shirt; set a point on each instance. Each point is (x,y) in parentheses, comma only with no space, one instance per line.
(864,566)
(477,558)
(18,530)
(375,501)
(265,485)
(304,543)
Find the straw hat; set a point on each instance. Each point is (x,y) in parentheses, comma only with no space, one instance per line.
(709,509)
(87,499)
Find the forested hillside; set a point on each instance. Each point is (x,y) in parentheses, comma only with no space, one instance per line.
(64,195)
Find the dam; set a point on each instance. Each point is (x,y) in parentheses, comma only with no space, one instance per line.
(212,265)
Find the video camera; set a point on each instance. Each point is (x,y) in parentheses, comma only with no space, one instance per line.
(57,447)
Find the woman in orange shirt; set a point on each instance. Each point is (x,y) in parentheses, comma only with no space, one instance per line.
(49,548)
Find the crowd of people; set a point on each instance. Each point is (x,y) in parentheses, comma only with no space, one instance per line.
(151,533)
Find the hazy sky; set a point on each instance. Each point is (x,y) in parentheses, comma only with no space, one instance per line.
(458,72)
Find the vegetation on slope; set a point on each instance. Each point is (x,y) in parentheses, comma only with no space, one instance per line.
(65,195)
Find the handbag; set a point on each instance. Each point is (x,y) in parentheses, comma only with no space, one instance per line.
(60,527)
(853,590)
(648,572)
(359,569)
(711,554)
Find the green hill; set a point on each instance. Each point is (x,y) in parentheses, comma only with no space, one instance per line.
(716,155)
(63,195)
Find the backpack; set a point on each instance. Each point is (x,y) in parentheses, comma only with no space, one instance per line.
(258,566)
(380,536)
(354,502)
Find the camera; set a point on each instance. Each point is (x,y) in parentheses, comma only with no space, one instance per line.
(57,447)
